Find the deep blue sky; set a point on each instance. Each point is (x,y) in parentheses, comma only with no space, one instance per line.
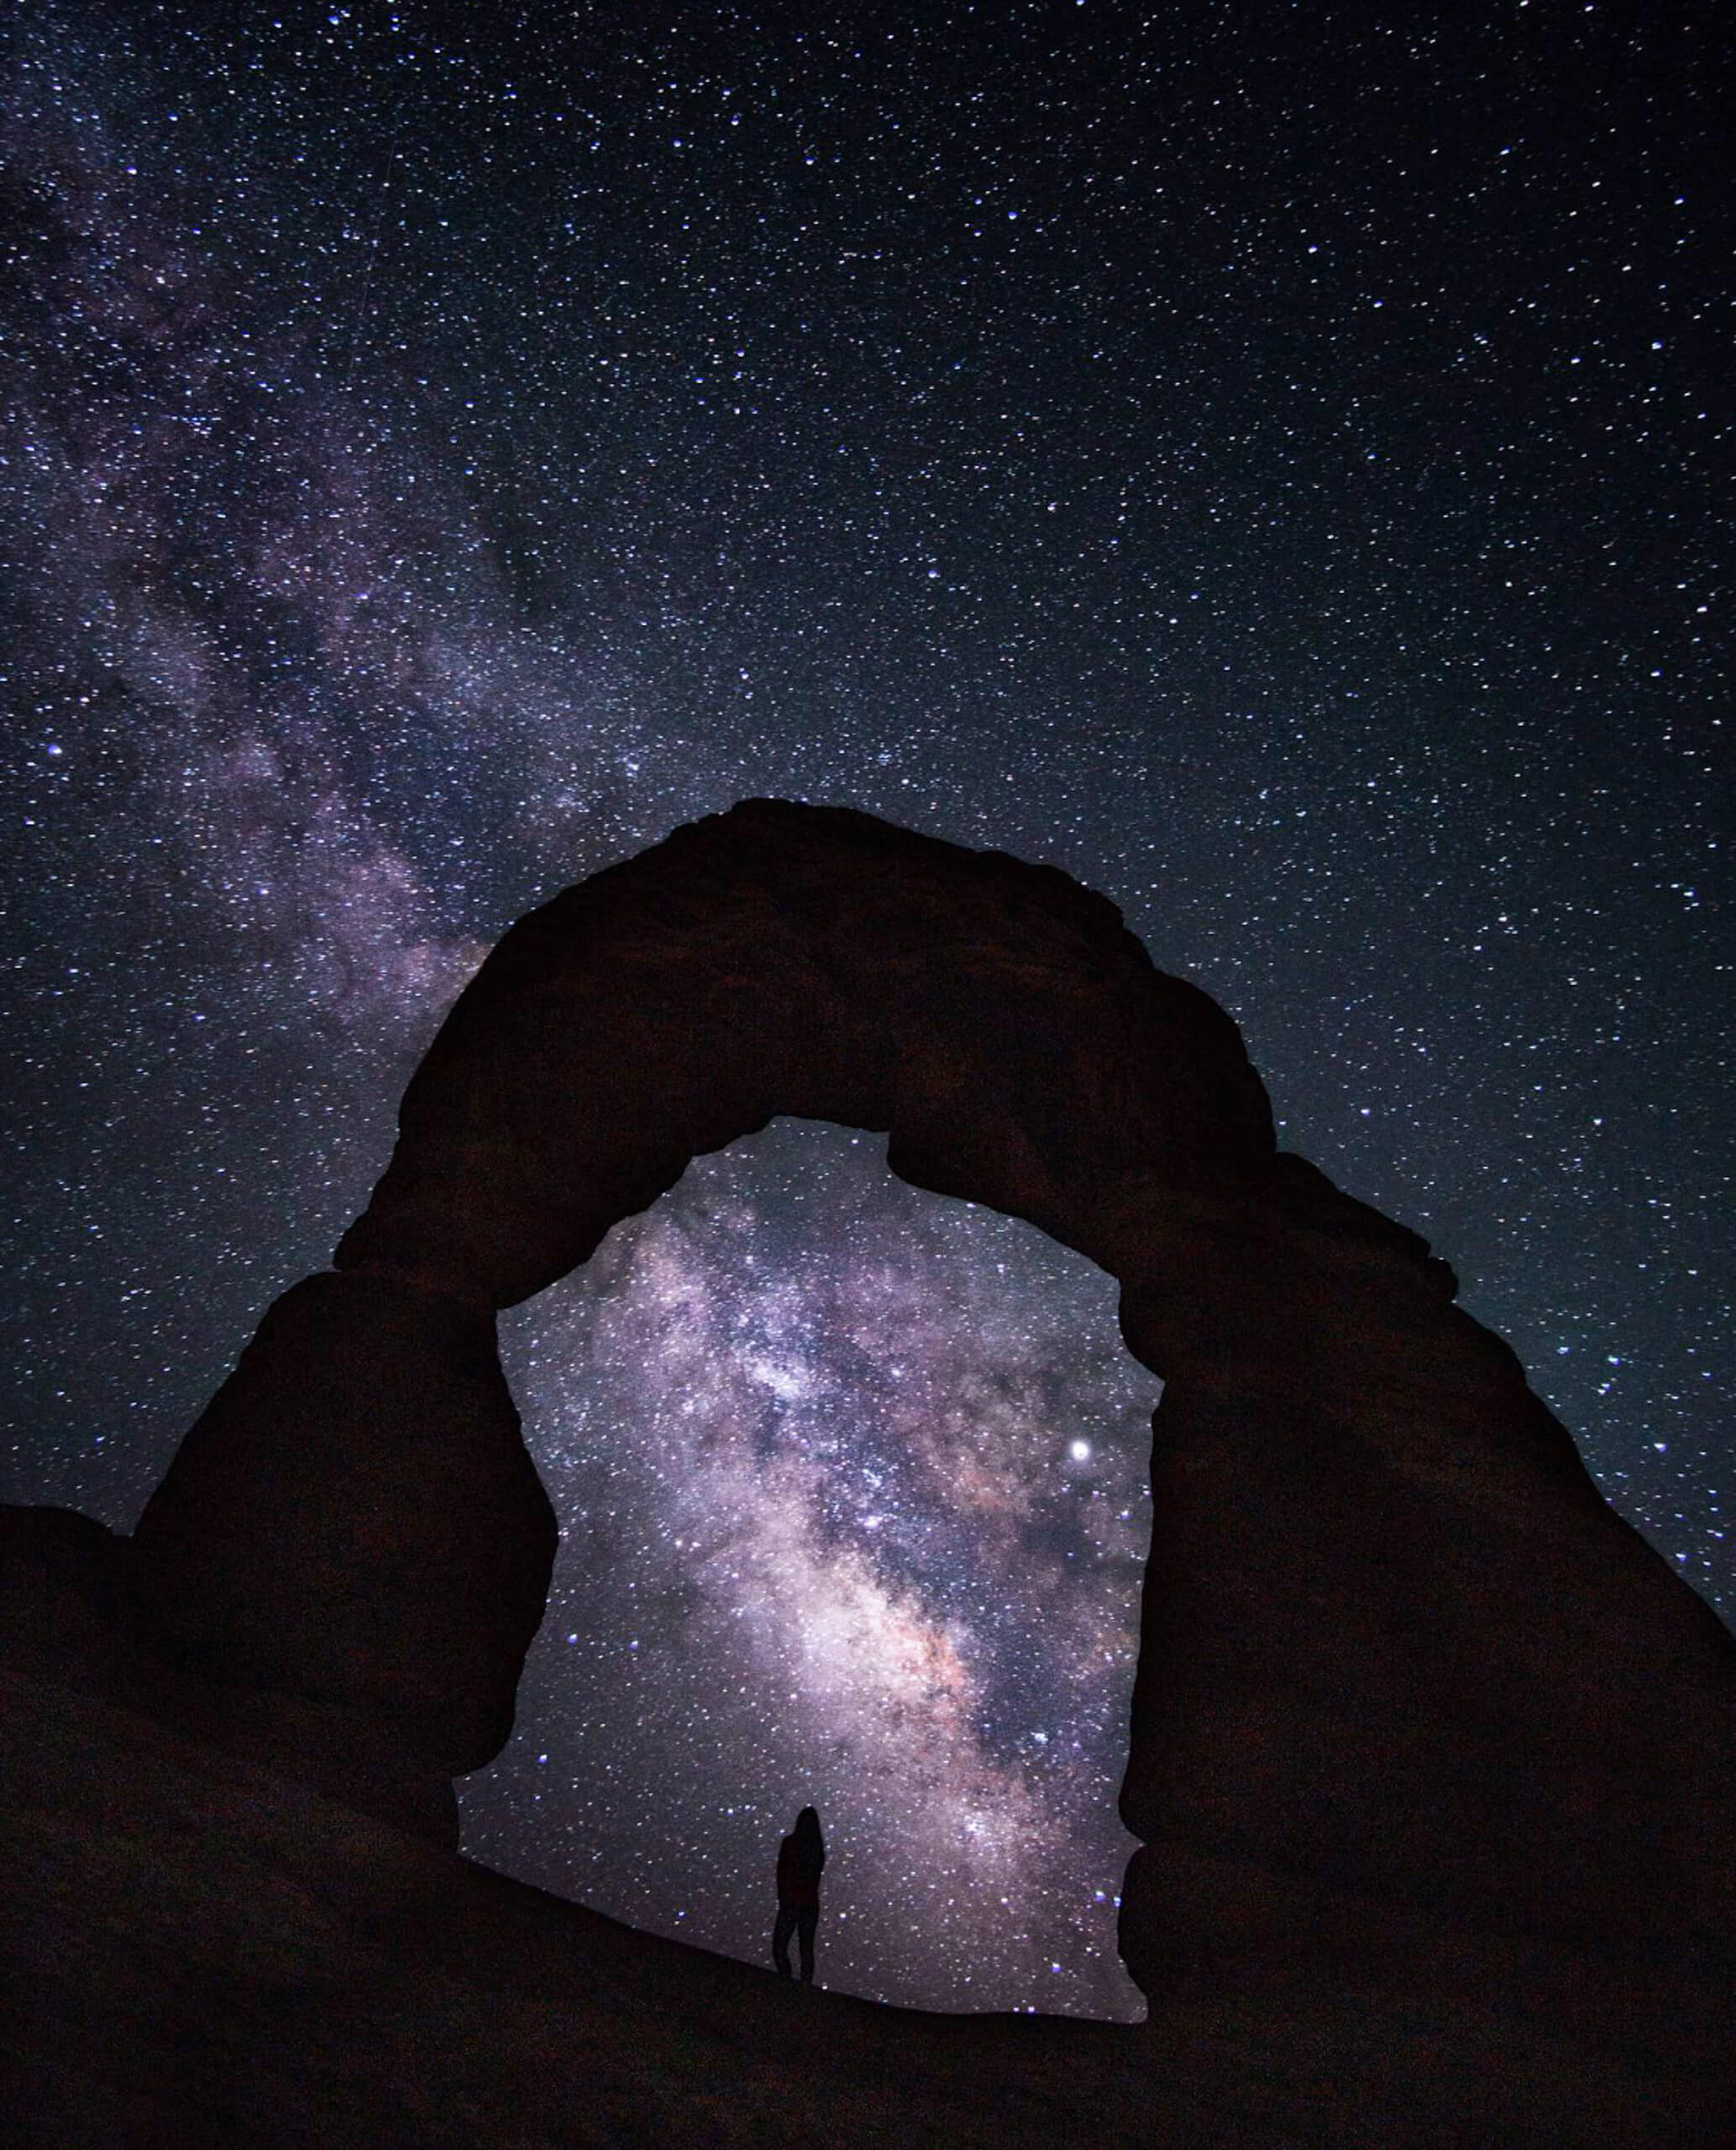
(1271,462)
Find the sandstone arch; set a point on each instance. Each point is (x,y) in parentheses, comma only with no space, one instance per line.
(1405,1682)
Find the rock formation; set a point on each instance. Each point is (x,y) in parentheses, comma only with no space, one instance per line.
(1418,1718)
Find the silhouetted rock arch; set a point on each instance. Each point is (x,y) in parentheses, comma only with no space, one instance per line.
(1405,1679)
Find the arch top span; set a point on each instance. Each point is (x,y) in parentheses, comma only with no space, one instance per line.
(1404,1676)
(996,1019)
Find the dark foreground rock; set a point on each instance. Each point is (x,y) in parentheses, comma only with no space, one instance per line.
(200,1953)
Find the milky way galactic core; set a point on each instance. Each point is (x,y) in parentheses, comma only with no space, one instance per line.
(1268,464)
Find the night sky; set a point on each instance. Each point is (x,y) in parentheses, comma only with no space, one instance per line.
(1267,461)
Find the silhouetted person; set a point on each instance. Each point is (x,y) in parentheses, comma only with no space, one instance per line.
(800,1857)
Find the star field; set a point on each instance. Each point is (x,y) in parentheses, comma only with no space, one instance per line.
(1272,464)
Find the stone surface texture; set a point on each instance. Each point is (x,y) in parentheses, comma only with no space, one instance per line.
(1422,1733)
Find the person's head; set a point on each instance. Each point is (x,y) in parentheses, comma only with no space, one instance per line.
(807,1822)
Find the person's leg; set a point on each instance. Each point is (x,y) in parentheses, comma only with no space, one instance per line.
(780,1939)
(806,1919)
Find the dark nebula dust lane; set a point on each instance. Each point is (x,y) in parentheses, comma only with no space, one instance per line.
(1273,466)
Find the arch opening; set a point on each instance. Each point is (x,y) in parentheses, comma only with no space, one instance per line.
(853,1484)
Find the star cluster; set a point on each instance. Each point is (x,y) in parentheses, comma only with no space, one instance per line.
(1269,463)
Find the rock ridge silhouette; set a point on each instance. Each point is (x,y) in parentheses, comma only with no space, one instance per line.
(1423,1734)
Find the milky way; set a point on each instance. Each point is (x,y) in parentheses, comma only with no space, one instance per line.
(1275,471)
(854,1488)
